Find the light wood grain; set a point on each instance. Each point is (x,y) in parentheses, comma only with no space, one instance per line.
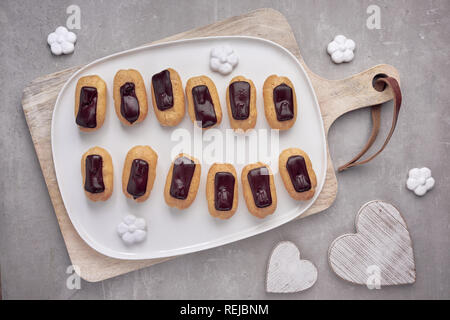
(287,272)
(382,240)
(335,98)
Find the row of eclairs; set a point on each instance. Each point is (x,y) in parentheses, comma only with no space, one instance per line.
(204,109)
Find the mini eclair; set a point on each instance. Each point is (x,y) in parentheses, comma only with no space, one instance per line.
(241,103)
(280,102)
(182,181)
(90,103)
(297,173)
(203,102)
(130,97)
(98,174)
(139,172)
(259,189)
(222,190)
(168,97)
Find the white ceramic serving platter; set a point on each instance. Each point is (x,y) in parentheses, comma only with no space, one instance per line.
(171,231)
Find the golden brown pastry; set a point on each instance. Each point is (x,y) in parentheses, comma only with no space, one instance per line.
(98,174)
(182,181)
(168,97)
(203,102)
(139,172)
(280,102)
(90,103)
(130,97)
(222,190)
(297,173)
(241,103)
(259,189)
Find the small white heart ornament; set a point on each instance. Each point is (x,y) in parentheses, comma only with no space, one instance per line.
(287,272)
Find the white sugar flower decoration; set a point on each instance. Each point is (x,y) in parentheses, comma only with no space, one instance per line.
(132,230)
(341,49)
(61,41)
(420,181)
(223,59)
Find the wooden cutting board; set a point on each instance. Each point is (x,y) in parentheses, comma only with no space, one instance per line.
(335,97)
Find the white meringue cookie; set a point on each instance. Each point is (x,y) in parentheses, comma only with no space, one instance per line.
(132,230)
(61,41)
(223,59)
(420,181)
(341,49)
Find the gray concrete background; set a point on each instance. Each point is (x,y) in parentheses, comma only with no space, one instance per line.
(414,38)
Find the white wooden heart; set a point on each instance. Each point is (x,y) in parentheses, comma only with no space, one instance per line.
(379,253)
(286,272)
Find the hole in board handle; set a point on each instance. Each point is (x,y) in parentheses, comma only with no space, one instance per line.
(379,86)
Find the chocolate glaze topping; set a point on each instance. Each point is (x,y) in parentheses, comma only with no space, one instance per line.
(204,106)
(162,87)
(259,181)
(223,191)
(137,182)
(182,173)
(87,108)
(240,99)
(298,173)
(283,100)
(94,174)
(129,104)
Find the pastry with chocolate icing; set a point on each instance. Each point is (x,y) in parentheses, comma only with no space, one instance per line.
(98,174)
(130,97)
(168,97)
(203,102)
(259,189)
(297,173)
(222,190)
(182,181)
(139,172)
(90,103)
(241,103)
(280,102)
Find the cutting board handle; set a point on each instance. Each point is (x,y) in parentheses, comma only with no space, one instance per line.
(337,97)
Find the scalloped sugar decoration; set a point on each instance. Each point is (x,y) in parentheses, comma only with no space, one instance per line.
(132,229)
(62,41)
(341,49)
(420,181)
(223,59)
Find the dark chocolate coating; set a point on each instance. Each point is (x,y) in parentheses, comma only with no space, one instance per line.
(87,108)
(129,104)
(204,106)
(182,173)
(298,172)
(162,88)
(223,191)
(239,92)
(94,174)
(137,182)
(283,101)
(259,181)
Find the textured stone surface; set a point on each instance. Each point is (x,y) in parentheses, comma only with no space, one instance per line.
(413,37)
